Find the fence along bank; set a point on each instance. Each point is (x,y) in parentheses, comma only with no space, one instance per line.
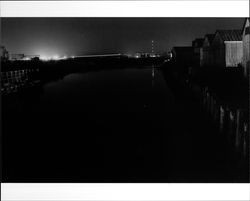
(219,79)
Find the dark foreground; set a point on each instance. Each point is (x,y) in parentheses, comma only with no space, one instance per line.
(126,125)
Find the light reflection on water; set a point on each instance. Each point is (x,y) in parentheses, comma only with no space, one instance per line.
(113,90)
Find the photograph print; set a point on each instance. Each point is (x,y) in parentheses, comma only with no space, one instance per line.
(125,100)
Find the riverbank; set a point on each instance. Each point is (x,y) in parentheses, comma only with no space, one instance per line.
(223,97)
(21,75)
(123,125)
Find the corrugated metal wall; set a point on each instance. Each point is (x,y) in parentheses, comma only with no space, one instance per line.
(246,51)
(233,53)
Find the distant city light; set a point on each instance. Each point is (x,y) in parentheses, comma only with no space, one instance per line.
(44,58)
(55,57)
(26,59)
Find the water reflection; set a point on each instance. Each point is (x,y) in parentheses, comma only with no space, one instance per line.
(109,91)
(233,122)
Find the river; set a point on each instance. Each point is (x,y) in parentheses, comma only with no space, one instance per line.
(123,125)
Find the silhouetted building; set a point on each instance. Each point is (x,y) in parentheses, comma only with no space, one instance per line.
(183,57)
(142,55)
(246,46)
(207,54)
(227,48)
(17,56)
(31,57)
(36,58)
(4,54)
(197,45)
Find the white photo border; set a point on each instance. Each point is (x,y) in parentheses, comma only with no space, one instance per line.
(204,8)
(77,191)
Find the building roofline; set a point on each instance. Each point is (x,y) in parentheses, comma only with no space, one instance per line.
(226,30)
(244,24)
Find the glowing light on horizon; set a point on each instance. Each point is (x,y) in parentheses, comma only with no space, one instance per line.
(26,59)
(64,57)
(44,58)
(55,57)
(49,58)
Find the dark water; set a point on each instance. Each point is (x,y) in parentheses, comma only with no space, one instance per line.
(112,126)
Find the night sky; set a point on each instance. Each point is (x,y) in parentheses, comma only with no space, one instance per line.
(81,36)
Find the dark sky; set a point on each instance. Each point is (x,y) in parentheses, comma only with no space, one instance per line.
(79,36)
